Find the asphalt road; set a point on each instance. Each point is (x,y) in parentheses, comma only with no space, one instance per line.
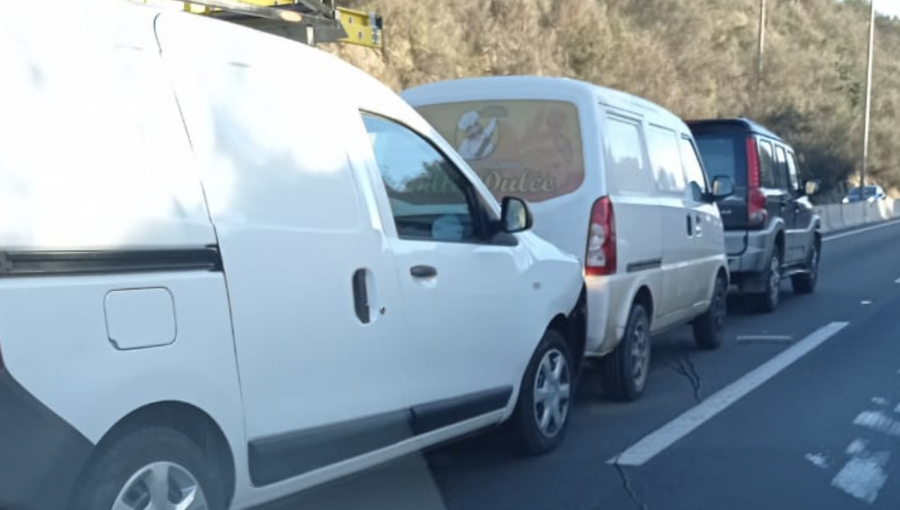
(799,409)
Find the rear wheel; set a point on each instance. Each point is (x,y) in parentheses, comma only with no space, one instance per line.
(156,468)
(805,283)
(709,327)
(545,398)
(624,371)
(768,300)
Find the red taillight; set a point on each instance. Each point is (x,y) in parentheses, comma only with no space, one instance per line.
(600,257)
(756,199)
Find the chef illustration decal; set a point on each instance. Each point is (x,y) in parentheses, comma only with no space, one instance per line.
(477,135)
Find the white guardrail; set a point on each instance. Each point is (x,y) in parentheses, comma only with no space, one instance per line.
(842,216)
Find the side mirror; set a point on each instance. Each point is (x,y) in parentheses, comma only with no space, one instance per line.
(515,215)
(811,188)
(722,187)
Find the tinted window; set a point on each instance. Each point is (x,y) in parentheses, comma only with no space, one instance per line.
(692,168)
(430,199)
(766,164)
(792,171)
(625,159)
(529,149)
(724,154)
(667,169)
(781,168)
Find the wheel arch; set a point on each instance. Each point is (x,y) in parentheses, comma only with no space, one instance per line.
(193,422)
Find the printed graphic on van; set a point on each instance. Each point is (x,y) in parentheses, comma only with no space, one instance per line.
(528,149)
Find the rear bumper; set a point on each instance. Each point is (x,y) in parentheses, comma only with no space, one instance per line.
(752,257)
(40,454)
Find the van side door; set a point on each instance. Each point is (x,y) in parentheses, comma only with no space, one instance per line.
(315,305)
(463,293)
(709,236)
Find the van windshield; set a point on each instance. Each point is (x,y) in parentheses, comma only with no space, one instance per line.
(528,149)
(723,154)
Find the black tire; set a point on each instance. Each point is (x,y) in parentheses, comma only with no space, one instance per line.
(624,372)
(119,462)
(709,327)
(767,301)
(532,438)
(805,283)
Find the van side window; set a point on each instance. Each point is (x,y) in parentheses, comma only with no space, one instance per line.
(625,158)
(766,164)
(792,172)
(693,169)
(781,169)
(430,199)
(662,144)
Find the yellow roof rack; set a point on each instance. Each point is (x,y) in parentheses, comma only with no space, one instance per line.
(308,21)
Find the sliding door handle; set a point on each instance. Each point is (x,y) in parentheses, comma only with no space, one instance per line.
(423,271)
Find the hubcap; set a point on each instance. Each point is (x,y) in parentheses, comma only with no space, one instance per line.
(640,354)
(775,279)
(814,262)
(719,304)
(552,389)
(161,486)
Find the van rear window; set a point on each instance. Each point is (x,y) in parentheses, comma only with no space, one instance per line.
(724,154)
(528,149)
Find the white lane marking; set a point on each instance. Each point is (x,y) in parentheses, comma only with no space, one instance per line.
(764,338)
(818,460)
(897,409)
(863,476)
(857,446)
(879,401)
(860,231)
(897,280)
(866,302)
(879,422)
(663,437)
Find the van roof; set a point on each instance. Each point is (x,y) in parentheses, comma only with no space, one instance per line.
(535,87)
(742,123)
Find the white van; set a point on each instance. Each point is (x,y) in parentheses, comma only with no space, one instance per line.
(613,179)
(215,293)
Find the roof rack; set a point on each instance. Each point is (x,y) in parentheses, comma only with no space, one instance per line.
(308,21)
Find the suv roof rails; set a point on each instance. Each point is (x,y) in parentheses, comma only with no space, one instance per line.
(308,21)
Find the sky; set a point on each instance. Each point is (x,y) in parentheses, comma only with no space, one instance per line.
(888,7)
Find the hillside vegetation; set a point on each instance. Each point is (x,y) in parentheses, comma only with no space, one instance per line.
(695,57)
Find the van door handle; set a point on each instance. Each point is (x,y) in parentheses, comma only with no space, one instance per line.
(423,271)
(361,296)
(690,227)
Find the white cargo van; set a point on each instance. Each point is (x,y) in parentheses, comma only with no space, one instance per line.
(233,267)
(613,179)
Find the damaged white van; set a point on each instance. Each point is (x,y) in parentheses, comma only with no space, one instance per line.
(233,267)
(613,179)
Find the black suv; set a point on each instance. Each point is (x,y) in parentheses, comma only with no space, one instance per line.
(771,230)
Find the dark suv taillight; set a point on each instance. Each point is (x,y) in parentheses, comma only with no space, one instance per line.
(756,199)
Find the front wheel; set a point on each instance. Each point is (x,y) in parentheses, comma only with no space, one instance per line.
(709,327)
(545,398)
(155,468)
(805,283)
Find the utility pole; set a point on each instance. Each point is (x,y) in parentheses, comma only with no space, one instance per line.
(760,51)
(862,169)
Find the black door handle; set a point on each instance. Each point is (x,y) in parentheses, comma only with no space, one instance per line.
(423,271)
(361,296)
(690,228)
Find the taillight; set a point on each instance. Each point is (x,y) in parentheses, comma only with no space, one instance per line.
(756,199)
(600,258)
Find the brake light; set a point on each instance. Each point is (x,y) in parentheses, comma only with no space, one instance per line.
(600,258)
(756,199)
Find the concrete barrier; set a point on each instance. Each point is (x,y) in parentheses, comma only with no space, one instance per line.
(842,216)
